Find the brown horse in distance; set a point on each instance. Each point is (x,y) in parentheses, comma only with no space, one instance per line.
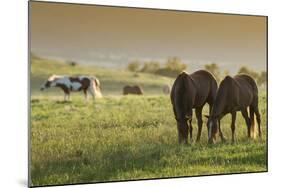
(235,94)
(136,90)
(188,92)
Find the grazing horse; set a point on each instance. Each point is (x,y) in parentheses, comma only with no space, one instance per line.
(188,92)
(79,83)
(235,94)
(136,90)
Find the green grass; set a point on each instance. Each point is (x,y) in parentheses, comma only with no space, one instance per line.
(124,138)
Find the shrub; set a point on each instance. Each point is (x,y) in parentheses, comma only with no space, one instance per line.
(262,78)
(133,66)
(172,68)
(248,71)
(150,67)
(259,77)
(175,64)
(214,69)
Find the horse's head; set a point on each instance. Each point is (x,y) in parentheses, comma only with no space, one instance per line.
(46,85)
(49,82)
(213,127)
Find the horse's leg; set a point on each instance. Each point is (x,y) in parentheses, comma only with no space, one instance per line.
(65,96)
(252,118)
(211,103)
(233,116)
(258,117)
(190,129)
(219,124)
(220,132)
(255,109)
(247,120)
(189,124)
(198,112)
(91,91)
(85,94)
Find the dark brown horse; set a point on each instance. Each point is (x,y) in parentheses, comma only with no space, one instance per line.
(235,94)
(188,92)
(136,90)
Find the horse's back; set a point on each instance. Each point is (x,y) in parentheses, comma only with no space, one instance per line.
(248,90)
(206,85)
(247,80)
(197,87)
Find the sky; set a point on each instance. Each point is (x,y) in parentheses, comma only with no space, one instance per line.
(114,36)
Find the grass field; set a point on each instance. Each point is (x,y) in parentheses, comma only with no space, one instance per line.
(124,138)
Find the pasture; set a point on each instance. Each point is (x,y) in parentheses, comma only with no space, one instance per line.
(125,137)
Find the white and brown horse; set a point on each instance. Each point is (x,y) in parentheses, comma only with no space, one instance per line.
(74,83)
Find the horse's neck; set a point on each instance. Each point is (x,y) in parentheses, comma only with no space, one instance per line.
(220,104)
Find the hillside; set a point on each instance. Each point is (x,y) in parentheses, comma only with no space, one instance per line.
(112,81)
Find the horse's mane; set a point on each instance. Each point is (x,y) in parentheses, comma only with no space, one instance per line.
(54,77)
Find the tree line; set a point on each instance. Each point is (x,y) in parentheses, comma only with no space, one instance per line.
(174,65)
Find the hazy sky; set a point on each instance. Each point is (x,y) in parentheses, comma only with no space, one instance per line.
(91,32)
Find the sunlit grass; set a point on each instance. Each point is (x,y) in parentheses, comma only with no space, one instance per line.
(128,138)
(125,137)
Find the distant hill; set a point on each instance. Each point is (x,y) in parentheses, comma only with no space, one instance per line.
(114,61)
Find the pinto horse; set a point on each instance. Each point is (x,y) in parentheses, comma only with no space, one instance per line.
(188,92)
(235,94)
(79,83)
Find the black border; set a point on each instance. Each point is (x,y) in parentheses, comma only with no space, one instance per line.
(29,95)
(132,7)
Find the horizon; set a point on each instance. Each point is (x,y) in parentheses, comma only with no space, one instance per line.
(114,36)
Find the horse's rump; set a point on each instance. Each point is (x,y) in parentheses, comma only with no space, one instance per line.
(84,81)
(190,91)
(206,87)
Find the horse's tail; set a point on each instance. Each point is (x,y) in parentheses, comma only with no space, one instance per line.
(253,125)
(181,91)
(95,87)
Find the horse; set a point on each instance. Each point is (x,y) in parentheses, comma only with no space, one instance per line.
(136,90)
(74,83)
(166,89)
(235,94)
(192,92)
